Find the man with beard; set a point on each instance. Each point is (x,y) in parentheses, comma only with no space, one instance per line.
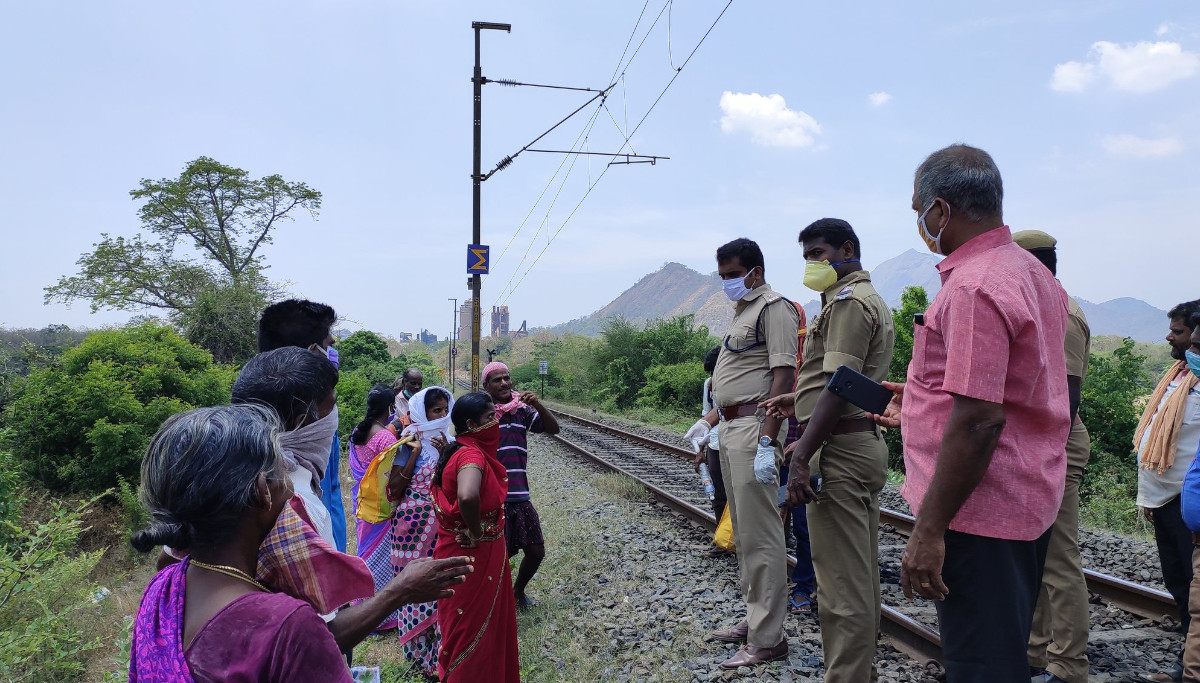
(1165,440)
(519,414)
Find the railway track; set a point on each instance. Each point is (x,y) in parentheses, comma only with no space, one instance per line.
(664,471)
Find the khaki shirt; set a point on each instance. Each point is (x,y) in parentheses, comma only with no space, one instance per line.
(744,374)
(1079,340)
(855,329)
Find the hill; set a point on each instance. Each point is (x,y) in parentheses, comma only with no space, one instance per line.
(675,290)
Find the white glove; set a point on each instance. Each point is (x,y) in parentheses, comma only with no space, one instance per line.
(764,465)
(698,434)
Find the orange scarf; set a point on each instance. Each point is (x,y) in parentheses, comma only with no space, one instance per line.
(1159,453)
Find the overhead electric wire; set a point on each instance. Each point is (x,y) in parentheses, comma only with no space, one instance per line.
(582,134)
(631,134)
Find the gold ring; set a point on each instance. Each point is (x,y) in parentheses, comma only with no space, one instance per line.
(925,584)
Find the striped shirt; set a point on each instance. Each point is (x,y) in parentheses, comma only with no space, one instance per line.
(513,452)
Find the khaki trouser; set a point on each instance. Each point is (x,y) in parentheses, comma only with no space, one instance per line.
(757,531)
(1191,647)
(843,526)
(1058,641)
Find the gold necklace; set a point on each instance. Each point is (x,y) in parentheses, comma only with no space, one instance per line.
(230,571)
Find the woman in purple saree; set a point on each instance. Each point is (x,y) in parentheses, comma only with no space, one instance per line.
(214,482)
(371,437)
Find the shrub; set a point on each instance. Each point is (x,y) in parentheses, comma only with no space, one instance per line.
(1111,397)
(43,586)
(83,422)
(673,386)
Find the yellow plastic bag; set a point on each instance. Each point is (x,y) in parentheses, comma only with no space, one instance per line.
(373,503)
(724,534)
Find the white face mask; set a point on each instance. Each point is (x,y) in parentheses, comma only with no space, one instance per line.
(735,288)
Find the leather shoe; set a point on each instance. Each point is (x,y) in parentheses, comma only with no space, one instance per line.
(753,656)
(733,634)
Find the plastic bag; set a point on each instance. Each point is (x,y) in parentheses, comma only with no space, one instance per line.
(723,537)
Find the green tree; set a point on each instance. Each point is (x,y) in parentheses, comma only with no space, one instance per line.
(216,211)
(83,422)
(619,366)
(362,349)
(223,320)
(1109,406)
(913,300)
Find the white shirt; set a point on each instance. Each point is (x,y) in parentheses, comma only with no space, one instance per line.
(1156,490)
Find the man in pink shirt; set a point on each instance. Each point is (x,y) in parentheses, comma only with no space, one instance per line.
(986,416)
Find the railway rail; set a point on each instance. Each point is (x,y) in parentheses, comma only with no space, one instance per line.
(656,465)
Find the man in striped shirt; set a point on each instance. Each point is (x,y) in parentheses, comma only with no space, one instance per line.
(518,414)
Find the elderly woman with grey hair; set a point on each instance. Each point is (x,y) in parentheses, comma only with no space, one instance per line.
(213,481)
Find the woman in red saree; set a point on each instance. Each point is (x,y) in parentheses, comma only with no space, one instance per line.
(479,622)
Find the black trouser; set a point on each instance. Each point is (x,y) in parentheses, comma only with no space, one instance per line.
(1175,554)
(714,471)
(986,618)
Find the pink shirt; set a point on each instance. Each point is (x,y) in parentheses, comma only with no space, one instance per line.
(995,332)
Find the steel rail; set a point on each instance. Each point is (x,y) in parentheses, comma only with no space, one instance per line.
(1144,601)
(914,639)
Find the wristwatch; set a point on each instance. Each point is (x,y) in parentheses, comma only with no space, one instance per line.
(764,441)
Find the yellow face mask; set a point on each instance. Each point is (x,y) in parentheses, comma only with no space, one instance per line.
(819,275)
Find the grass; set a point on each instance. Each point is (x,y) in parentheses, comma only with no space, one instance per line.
(617,485)
(657,417)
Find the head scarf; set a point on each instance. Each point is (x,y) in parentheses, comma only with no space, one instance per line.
(515,402)
(424,428)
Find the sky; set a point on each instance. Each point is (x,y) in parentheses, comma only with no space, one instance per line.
(787,112)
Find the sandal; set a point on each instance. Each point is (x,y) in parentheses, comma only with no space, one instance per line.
(800,603)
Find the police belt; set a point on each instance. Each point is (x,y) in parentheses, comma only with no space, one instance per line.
(854,426)
(742,410)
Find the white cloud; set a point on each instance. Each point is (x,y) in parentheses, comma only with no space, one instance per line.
(1073,77)
(1132,146)
(767,119)
(1139,68)
(878,99)
(1163,29)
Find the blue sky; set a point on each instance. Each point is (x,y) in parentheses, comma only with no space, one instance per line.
(788,112)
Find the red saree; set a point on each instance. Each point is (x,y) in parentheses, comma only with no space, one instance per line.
(479,622)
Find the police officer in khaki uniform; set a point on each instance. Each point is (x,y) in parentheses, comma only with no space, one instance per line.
(757,362)
(1058,641)
(855,329)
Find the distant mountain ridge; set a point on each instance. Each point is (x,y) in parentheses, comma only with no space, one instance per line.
(675,290)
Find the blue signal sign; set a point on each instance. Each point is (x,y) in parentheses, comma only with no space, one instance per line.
(477,259)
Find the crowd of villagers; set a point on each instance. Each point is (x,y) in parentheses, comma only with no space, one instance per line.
(255,582)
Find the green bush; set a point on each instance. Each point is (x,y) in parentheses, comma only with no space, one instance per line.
(83,422)
(44,586)
(352,391)
(673,386)
(620,364)
(1111,396)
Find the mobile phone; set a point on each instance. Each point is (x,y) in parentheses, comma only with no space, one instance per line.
(859,390)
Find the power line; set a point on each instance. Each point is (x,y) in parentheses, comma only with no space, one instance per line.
(631,134)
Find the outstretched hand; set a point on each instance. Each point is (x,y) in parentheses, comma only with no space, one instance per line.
(891,415)
(426,579)
(782,406)
(529,398)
